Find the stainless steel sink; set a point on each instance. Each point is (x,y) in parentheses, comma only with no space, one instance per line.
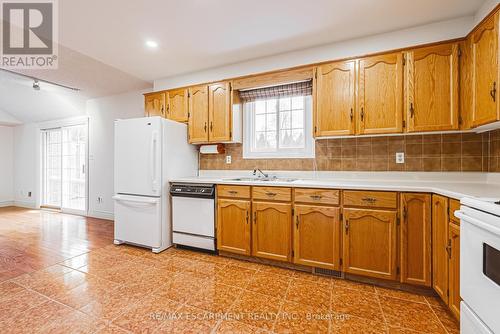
(262,179)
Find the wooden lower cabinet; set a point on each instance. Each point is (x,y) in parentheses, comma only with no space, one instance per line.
(440,246)
(454,270)
(415,245)
(369,247)
(316,236)
(233,226)
(271,230)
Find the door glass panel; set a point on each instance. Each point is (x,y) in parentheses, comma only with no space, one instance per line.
(52,164)
(74,140)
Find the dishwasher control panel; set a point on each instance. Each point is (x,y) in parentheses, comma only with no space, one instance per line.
(192,190)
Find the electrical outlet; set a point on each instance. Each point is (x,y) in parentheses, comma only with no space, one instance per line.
(228,159)
(99,199)
(400,157)
(29,193)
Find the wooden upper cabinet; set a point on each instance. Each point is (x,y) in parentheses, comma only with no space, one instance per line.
(219,110)
(485,72)
(432,88)
(416,239)
(177,107)
(198,114)
(465,86)
(370,243)
(335,99)
(317,236)
(271,231)
(233,226)
(454,268)
(440,246)
(380,94)
(154,104)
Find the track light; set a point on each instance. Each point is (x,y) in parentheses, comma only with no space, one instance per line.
(36,85)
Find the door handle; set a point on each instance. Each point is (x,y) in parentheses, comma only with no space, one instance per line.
(493,92)
(351,115)
(211,126)
(248,218)
(205,127)
(297,222)
(362,113)
(346,226)
(412,110)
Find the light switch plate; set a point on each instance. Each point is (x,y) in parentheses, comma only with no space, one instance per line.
(228,159)
(400,157)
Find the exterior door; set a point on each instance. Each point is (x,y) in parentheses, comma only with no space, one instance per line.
(370,243)
(198,114)
(432,88)
(219,107)
(485,72)
(271,232)
(317,236)
(335,99)
(233,226)
(454,265)
(177,107)
(154,104)
(416,239)
(440,246)
(380,94)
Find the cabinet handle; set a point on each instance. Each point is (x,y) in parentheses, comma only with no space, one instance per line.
(346,226)
(162,110)
(351,115)
(316,197)
(211,127)
(404,214)
(369,199)
(448,248)
(412,110)
(255,217)
(297,222)
(270,194)
(248,218)
(362,113)
(205,127)
(493,92)
(232,192)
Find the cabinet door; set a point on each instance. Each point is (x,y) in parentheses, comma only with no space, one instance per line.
(317,236)
(416,239)
(271,232)
(198,115)
(485,72)
(177,108)
(380,94)
(219,106)
(370,243)
(432,88)
(233,226)
(439,246)
(454,265)
(154,104)
(335,99)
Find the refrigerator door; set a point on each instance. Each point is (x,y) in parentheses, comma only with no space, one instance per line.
(138,156)
(138,220)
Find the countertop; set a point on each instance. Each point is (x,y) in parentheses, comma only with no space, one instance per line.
(449,188)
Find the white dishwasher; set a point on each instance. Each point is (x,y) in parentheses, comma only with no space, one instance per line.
(193,215)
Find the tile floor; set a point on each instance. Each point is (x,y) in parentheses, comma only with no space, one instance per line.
(61,274)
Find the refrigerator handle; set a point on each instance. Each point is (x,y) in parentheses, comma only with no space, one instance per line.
(152,165)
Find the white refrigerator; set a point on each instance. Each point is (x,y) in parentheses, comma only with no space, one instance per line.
(149,152)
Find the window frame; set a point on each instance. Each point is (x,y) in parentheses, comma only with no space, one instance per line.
(308,152)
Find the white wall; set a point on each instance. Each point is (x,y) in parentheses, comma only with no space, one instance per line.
(357,47)
(26,165)
(6,166)
(102,113)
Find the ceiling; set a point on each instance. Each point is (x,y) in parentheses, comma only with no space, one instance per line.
(200,34)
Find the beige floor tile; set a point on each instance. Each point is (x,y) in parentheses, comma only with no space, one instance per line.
(406,314)
(7,289)
(111,329)
(182,287)
(300,318)
(399,330)
(234,276)
(189,320)
(73,322)
(346,284)
(347,324)
(400,294)
(269,284)
(256,309)
(309,293)
(357,303)
(238,327)
(216,298)
(447,319)
(17,303)
(302,275)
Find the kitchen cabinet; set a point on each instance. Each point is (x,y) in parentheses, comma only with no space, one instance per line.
(380,94)
(431,86)
(271,231)
(454,269)
(317,236)
(369,243)
(440,239)
(415,241)
(485,72)
(177,106)
(233,226)
(154,104)
(335,99)
(219,112)
(198,114)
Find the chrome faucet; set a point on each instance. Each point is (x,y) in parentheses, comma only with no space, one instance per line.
(261,172)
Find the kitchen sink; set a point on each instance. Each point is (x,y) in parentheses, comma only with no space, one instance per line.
(262,179)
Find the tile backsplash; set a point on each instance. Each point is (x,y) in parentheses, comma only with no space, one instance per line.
(430,152)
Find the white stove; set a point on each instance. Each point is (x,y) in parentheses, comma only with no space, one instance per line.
(480,265)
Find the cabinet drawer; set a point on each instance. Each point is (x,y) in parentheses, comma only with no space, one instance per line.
(317,196)
(233,191)
(454,206)
(272,193)
(376,199)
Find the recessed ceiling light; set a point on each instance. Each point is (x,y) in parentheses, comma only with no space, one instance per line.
(151,44)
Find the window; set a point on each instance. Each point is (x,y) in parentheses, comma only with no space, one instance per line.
(278,127)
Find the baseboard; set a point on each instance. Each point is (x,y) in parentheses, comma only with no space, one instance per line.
(25,204)
(6,203)
(101,215)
